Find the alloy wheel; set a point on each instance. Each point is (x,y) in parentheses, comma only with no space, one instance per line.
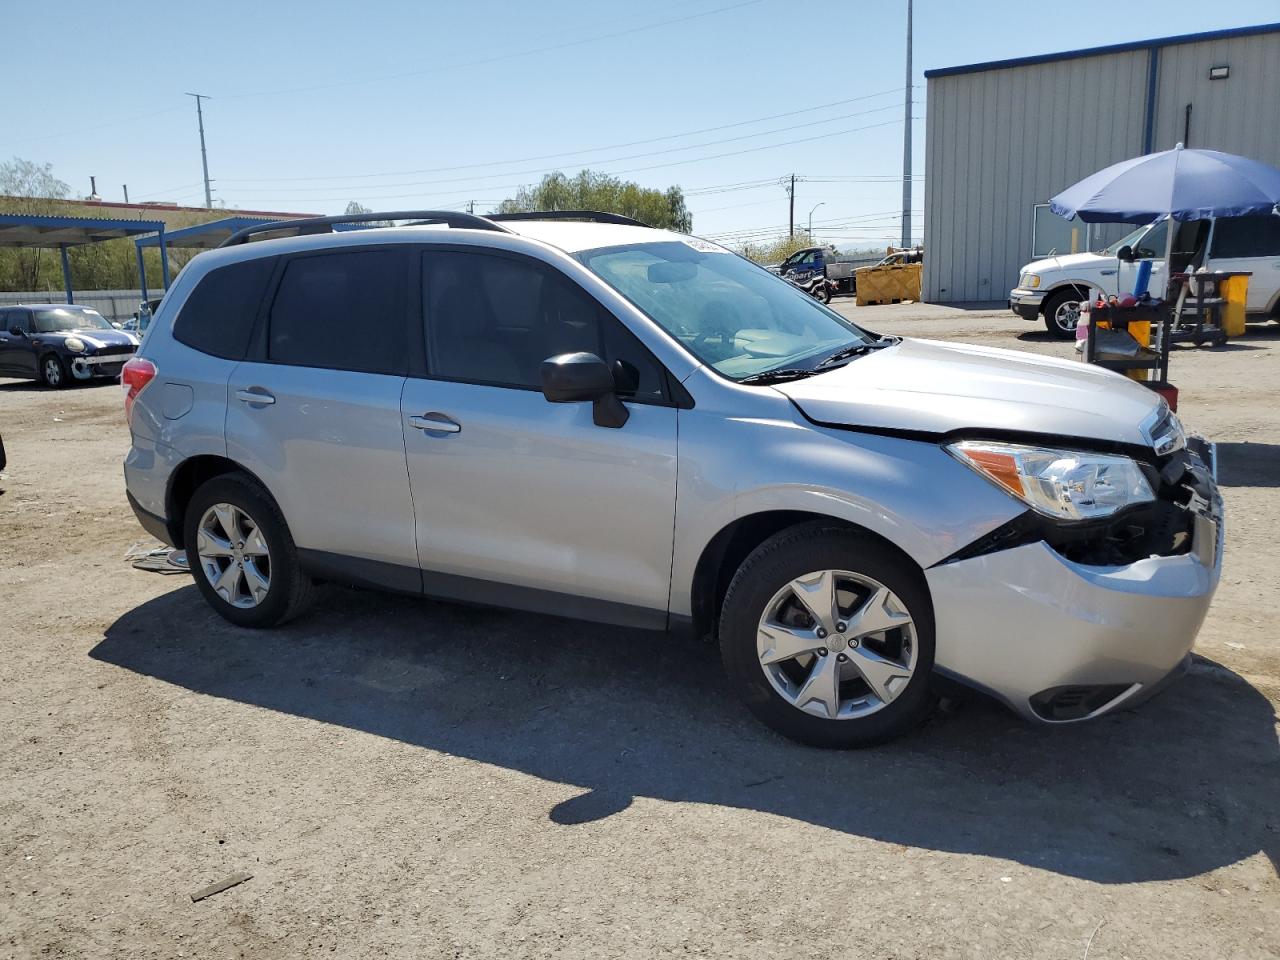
(52,372)
(234,556)
(836,644)
(1067,315)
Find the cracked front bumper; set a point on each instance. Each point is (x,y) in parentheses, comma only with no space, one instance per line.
(1026,621)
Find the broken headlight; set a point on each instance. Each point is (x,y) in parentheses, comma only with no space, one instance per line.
(1064,484)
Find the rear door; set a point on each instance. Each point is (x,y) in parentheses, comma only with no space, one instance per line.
(314,410)
(1252,244)
(521,502)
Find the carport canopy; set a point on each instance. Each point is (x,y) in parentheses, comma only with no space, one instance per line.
(31,230)
(204,236)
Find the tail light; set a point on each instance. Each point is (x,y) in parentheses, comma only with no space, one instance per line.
(134,377)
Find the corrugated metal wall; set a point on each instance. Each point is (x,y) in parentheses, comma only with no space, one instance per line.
(1000,141)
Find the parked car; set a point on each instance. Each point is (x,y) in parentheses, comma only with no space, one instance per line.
(57,342)
(606,421)
(804,265)
(1053,288)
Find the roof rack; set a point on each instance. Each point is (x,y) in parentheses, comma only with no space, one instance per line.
(590,216)
(310,225)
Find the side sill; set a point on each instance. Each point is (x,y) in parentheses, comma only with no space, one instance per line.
(156,526)
(447,586)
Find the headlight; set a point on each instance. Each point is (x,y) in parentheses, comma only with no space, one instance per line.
(74,344)
(1064,484)
(1029,280)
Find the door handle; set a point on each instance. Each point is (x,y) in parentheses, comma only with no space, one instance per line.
(255,395)
(435,423)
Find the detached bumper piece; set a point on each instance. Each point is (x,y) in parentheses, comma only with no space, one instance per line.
(1064,623)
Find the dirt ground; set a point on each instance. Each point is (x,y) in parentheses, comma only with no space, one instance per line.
(414,779)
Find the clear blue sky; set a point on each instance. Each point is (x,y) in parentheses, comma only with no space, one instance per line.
(402,104)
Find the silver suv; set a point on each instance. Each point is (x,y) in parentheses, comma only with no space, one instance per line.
(578,415)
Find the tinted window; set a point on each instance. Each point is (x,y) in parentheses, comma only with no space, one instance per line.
(343,311)
(493,319)
(1247,237)
(218,316)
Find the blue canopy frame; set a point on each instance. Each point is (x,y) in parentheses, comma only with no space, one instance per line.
(30,230)
(201,236)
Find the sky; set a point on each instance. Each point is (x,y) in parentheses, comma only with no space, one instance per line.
(425,105)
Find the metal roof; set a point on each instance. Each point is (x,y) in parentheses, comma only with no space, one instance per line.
(1098,51)
(205,236)
(20,230)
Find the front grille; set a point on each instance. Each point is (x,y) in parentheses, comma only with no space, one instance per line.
(116,350)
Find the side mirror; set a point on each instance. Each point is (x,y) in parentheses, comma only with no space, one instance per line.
(17,332)
(116,325)
(1125,253)
(573,377)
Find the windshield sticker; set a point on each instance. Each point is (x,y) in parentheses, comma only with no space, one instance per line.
(702,246)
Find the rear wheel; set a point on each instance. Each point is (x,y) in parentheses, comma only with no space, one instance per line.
(827,636)
(1061,313)
(242,555)
(53,372)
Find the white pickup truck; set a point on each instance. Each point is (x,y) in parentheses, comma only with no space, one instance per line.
(1054,287)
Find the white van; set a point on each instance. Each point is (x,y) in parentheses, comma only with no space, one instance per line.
(1053,287)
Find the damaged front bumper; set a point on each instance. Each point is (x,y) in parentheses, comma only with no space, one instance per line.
(1059,640)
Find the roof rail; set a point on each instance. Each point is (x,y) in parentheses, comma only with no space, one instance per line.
(309,225)
(590,216)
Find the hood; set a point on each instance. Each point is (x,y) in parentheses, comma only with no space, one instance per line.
(935,387)
(95,338)
(1068,261)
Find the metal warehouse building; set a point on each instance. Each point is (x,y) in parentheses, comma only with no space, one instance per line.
(1003,137)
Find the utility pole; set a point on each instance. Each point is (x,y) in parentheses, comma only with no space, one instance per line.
(204,157)
(791,192)
(471,206)
(906,146)
(126,193)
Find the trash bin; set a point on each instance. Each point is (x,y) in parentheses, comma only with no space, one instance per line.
(1235,291)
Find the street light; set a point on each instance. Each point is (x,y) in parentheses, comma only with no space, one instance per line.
(815,207)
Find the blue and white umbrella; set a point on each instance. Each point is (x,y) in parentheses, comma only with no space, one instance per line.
(1179,183)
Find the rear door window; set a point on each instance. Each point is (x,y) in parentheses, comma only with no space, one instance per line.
(1241,237)
(218,316)
(342,311)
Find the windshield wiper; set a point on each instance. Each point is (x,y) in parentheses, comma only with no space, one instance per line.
(855,350)
(778,376)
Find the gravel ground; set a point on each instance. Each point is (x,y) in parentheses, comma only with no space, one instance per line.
(414,779)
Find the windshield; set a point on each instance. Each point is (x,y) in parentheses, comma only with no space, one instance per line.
(736,317)
(1130,240)
(70,318)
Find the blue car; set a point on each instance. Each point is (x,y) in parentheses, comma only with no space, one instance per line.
(56,343)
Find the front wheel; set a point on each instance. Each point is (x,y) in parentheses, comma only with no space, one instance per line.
(1061,313)
(242,555)
(53,372)
(827,636)
(823,293)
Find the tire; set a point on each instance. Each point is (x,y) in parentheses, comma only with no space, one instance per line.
(769,572)
(823,293)
(289,590)
(1057,311)
(53,372)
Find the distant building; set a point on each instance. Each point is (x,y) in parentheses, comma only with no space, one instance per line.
(1003,137)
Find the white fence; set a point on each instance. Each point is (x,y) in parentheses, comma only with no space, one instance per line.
(113,304)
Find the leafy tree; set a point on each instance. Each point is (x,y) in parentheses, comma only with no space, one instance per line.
(775,251)
(591,190)
(31,186)
(355,207)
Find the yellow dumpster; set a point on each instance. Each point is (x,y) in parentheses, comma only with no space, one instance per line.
(891,283)
(1235,291)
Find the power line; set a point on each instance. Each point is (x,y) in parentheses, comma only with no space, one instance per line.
(574,153)
(541,170)
(494,59)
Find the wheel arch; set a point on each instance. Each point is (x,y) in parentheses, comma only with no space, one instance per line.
(1080,286)
(733,543)
(186,480)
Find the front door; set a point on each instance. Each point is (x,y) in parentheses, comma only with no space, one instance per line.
(521,502)
(315,411)
(17,355)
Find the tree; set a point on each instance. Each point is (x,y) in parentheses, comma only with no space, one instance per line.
(775,251)
(30,186)
(591,190)
(355,207)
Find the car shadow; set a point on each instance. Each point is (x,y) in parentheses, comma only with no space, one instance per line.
(1185,785)
(1248,464)
(36,386)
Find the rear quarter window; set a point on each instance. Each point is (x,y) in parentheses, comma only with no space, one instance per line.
(218,316)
